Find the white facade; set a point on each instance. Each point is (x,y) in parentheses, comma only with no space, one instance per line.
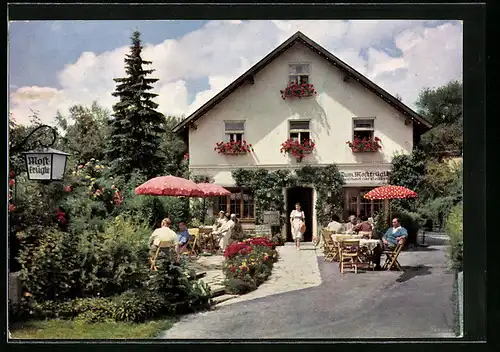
(331,113)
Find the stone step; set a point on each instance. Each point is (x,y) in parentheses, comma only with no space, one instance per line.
(223,298)
(217,291)
(197,275)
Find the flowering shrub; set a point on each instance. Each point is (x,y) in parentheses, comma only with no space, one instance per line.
(365,145)
(233,147)
(248,264)
(295,90)
(12,183)
(296,148)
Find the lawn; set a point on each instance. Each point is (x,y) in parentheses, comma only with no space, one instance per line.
(68,329)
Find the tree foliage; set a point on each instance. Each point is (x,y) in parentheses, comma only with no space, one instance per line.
(137,128)
(85,132)
(443,108)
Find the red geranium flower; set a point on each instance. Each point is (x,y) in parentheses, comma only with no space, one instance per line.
(12,207)
(67,189)
(12,183)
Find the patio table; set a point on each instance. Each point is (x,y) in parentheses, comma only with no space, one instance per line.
(371,244)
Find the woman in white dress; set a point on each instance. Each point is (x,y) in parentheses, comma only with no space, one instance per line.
(297,219)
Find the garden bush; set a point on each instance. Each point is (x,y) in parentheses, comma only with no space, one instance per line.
(454,228)
(248,264)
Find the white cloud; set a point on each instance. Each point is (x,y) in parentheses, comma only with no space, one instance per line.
(222,50)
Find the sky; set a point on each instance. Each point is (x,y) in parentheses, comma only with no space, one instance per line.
(54,65)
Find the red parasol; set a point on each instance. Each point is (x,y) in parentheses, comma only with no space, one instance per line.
(170,186)
(213,190)
(390,192)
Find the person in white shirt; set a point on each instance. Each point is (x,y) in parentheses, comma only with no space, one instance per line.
(162,234)
(353,221)
(221,220)
(336,226)
(224,232)
(297,219)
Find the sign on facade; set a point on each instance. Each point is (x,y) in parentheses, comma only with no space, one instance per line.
(366,176)
(39,166)
(262,230)
(272,218)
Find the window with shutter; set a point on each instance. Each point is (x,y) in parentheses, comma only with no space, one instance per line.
(299,73)
(299,130)
(234,130)
(363,128)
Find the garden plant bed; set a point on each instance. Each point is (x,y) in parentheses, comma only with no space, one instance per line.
(248,264)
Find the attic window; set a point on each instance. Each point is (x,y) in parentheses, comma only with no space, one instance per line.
(299,73)
(234,130)
(363,128)
(299,130)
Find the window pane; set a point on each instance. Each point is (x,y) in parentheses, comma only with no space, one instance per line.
(294,135)
(294,79)
(235,125)
(299,125)
(234,137)
(235,205)
(248,205)
(222,204)
(363,134)
(304,135)
(365,205)
(378,206)
(304,79)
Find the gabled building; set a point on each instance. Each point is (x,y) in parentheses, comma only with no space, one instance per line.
(337,105)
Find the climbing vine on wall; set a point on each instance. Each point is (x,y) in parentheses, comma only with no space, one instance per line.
(268,189)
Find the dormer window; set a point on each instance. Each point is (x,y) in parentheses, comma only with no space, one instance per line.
(299,73)
(363,128)
(234,130)
(299,130)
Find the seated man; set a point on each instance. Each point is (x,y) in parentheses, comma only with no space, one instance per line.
(224,232)
(390,240)
(364,226)
(237,233)
(162,234)
(182,236)
(335,225)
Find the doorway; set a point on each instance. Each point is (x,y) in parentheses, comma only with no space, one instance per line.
(304,196)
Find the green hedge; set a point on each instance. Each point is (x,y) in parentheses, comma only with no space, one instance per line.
(454,228)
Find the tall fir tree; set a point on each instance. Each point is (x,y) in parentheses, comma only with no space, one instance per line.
(136,129)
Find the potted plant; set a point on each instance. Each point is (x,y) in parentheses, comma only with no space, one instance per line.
(363,145)
(233,147)
(297,148)
(295,90)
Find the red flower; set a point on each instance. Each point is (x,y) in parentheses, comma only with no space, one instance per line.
(67,189)
(12,207)
(12,174)
(12,183)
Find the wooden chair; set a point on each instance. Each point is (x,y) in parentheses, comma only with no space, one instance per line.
(162,246)
(349,254)
(206,239)
(329,247)
(193,242)
(391,257)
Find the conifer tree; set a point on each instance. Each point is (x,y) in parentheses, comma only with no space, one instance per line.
(136,129)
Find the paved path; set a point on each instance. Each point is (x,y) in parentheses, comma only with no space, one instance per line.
(416,303)
(295,270)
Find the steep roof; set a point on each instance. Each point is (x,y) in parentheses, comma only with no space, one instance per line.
(420,123)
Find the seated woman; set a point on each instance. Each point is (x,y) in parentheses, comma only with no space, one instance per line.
(364,227)
(224,232)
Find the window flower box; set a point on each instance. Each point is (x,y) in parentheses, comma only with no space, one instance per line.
(296,90)
(233,148)
(296,148)
(365,145)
